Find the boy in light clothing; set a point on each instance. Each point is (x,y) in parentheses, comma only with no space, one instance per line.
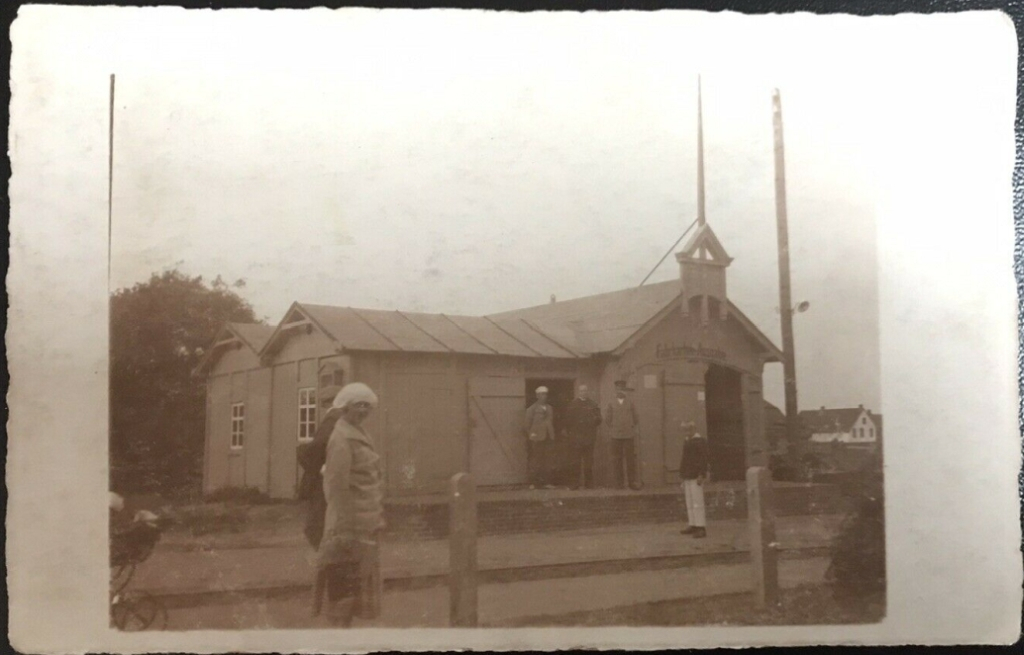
(694,469)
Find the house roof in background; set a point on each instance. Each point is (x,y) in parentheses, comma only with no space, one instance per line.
(832,420)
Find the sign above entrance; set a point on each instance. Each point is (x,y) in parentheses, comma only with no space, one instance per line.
(696,353)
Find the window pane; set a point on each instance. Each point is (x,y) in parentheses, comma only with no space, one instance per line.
(312,415)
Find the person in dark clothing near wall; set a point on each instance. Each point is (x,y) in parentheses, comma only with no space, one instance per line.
(311,457)
(582,417)
(695,470)
(624,427)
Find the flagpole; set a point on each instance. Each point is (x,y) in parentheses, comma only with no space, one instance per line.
(110,181)
(701,217)
(793,444)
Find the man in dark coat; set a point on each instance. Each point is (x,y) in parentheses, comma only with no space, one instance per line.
(582,417)
(623,426)
(311,457)
(694,469)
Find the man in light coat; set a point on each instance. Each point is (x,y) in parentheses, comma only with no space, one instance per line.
(623,427)
(540,434)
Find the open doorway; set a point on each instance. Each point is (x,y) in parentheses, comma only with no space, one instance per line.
(724,406)
(560,393)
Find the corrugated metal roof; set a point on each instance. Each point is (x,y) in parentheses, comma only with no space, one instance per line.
(531,337)
(402,332)
(347,327)
(446,331)
(492,336)
(600,323)
(254,334)
(566,329)
(374,329)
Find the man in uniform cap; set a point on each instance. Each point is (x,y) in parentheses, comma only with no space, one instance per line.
(623,426)
(540,432)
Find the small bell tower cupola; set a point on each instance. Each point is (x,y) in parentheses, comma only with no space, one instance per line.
(703,260)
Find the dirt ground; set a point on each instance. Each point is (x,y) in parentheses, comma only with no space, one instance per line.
(804,605)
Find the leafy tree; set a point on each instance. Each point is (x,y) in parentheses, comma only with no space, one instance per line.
(158,332)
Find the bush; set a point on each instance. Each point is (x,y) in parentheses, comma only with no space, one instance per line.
(857,570)
(238,496)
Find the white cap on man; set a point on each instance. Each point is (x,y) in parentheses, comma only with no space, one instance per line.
(542,390)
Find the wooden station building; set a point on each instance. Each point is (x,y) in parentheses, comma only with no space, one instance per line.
(453,389)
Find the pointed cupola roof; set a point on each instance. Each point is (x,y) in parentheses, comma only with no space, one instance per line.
(703,260)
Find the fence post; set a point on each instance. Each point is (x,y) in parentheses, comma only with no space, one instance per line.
(763,546)
(462,540)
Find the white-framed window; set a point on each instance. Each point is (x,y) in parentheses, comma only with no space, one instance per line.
(871,433)
(237,425)
(307,413)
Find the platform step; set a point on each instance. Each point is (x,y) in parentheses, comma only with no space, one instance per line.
(546,510)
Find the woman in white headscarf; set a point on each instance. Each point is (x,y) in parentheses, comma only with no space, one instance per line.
(355,514)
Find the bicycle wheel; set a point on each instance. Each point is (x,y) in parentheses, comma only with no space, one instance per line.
(139,612)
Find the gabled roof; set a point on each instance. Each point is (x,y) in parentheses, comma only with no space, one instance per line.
(599,323)
(567,330)
(705,246)
(605,322)
(357,329)
(232,335)
(254,335)
(832,420)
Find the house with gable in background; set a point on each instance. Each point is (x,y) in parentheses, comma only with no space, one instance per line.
(850,426)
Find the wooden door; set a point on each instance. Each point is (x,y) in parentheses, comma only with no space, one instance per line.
(726,438)
(497,408)
(422,434)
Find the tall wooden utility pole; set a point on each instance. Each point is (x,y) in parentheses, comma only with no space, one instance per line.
(793,444)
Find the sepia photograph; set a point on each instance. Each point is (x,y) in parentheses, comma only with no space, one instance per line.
(395,356)
(487,320)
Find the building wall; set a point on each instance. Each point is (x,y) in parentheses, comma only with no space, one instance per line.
(218,431)
(666,369)
(257,428)
(236,377)
(870,431)
(422,428)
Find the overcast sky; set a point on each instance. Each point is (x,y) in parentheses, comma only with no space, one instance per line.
(462,163)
